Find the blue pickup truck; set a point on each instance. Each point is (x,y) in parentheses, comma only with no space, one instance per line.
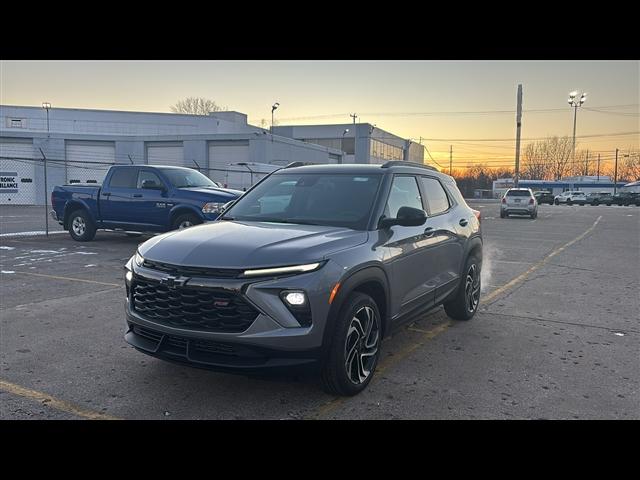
(139,198)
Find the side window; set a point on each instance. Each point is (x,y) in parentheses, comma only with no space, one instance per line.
(147,175)
(436,196)
(404,193)
(124,178)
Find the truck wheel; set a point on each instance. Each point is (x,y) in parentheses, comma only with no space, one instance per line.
(185,220)
(355,347)
(81,227)
(465,304)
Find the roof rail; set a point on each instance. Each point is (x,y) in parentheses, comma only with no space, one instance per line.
(399,163)
(298,164)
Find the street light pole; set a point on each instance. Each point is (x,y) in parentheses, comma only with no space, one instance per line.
(518,127)
(575,104)
(274,107)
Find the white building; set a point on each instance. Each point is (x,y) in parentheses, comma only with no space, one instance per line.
(361,142)
(80,145)
(586,183)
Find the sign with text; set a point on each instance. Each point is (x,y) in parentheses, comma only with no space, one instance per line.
(9,182)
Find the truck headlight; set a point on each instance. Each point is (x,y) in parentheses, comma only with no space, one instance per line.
(138,259)
(213,207)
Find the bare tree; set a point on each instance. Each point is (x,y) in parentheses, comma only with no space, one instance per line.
(535,163)
(196,106)
(558,151)
(629,167)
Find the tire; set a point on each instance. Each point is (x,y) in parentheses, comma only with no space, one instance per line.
(569,202)
(350,335)
(463,306)
(81,227)
(534,215)
(556,201)
(502,215)
(185,220)
(595,203)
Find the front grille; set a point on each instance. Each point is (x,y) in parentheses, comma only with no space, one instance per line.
(179,270)
(198,309)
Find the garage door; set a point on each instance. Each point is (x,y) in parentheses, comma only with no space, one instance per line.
(223,153)
(17,182)
(165,154)
(88,162)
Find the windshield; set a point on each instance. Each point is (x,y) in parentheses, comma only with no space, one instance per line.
(340,200)
(183,177)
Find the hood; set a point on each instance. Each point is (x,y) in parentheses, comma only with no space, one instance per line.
(225,193)
(234,244)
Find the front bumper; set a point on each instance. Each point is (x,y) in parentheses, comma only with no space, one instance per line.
(274,339)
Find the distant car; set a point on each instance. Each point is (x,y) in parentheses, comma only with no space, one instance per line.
(544,197)
(571,197)
(627,199)
(520,201)
(595,198)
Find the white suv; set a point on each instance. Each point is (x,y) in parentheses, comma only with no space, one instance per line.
(520,201)
(570,197)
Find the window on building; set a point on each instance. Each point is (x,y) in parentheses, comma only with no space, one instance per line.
(348,145)
(437,198)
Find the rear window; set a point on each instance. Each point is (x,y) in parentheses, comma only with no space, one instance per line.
(518,193)
(124,178)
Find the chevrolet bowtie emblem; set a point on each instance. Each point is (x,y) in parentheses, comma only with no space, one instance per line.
(173,282)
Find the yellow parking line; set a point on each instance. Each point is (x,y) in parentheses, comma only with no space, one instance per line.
(536,266)
(73,279)
(53,402)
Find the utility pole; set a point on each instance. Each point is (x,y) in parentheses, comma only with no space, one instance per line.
(46,195)
(615,174)
(518,126)
(354,116)
(450,158)
(598,167)
(586,164)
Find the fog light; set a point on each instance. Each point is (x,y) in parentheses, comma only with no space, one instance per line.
(128,277)
(295,299)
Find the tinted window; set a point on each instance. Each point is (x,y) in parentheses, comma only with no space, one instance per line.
(147,175)
(437,199)
(124,178)
(184,177)
(404,193)
(518,193)
(342,200)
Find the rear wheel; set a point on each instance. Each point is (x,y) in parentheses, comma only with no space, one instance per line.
(355,347)
(569,202)
(81,227)
(465,304)
(556,201)
(502,214)
(185,220)
(534,215)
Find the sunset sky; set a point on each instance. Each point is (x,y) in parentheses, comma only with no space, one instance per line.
(459,103)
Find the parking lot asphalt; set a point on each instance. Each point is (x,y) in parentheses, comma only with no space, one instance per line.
(557,336)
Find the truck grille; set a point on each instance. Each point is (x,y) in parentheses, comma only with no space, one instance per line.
(199,309)
(179,270)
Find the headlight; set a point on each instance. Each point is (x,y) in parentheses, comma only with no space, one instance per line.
(138,259)
(282,270)
(294,298)
(212,207)
(128,277)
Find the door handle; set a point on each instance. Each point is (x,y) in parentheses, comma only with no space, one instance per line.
(463,222)
(429,231)
(137,195)
(106,194)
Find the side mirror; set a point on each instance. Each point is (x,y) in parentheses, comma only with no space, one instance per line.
(151,185)
(407,217)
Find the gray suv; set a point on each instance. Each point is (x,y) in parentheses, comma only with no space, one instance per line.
(313,266)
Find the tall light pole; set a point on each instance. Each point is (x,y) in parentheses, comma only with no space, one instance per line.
(575,103)
(46,106)
(274,107)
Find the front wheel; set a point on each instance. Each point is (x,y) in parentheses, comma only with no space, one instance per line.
(355,347)
(556,201)
(81,227)
(185,220)
(465,304)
